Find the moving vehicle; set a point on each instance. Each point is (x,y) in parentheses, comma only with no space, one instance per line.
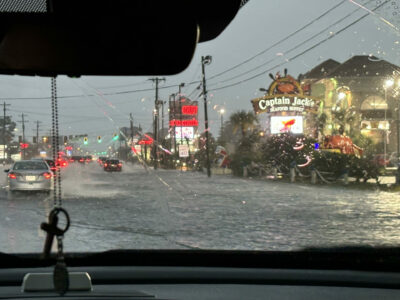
(29,175)
(75,158)
(112,164)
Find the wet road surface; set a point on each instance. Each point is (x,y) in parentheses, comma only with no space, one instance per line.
(170,209)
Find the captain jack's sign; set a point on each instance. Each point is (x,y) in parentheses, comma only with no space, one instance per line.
(285,95)
(279,103)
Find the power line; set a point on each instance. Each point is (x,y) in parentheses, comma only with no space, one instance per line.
(278,42)
(95,95)
(291,49)
(123,85)
(301,53)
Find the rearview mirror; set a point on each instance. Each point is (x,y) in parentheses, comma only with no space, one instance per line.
(108,37)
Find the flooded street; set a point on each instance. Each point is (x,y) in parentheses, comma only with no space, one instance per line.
(186,210)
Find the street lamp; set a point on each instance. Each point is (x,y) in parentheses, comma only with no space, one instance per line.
(341,95)
(206,60)
(222,111)
(263,90)
(389,83)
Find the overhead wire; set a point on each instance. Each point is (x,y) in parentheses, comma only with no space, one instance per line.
(290,49)
(301,53)
(278,42)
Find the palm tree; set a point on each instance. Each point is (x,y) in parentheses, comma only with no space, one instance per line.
(244,121)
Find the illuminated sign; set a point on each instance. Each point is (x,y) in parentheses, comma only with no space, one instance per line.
(293,124)
(187,132)
(285,103)
(147,141)
(189,109)
(285,95)
(192,122)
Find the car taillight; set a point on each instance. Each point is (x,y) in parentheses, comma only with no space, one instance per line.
(12,175)
(64,164)
(105,165)
(119,165)
(46,175)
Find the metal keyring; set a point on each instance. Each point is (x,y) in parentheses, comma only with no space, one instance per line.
(56,211)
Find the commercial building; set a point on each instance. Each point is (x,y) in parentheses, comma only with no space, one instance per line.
(360,95)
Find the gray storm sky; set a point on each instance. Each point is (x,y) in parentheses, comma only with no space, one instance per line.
(258,25)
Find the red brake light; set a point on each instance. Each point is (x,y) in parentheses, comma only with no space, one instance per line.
(119,165)
(46,175)
(12,176)
(105,165)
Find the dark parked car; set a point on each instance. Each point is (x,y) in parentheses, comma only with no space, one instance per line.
(112,165)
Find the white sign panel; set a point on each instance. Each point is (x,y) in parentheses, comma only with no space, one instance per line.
(293,124)
(138,148)
(16,157)
(187,132)
(183,151)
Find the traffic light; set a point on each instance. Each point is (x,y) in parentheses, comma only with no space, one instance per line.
(85,140)
(99,139)
(115,137)
(65,139)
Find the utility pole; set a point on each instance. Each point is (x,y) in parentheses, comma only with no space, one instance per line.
(4,130)
(156,80)
(206,61)
(173,113)
(37,132)
(23,132)
(180,116)
(131,123)
(162,117)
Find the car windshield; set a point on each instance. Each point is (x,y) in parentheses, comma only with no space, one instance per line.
(283,133)
(30,165)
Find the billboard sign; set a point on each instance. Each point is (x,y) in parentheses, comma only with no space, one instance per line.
(285,94)
(187,132)
(293,124)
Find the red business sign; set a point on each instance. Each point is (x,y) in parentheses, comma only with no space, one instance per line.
(185,123)
(148,141)
(189,109)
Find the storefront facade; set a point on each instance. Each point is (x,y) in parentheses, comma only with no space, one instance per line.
(361,95)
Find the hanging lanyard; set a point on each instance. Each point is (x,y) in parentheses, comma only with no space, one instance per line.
(60,274)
